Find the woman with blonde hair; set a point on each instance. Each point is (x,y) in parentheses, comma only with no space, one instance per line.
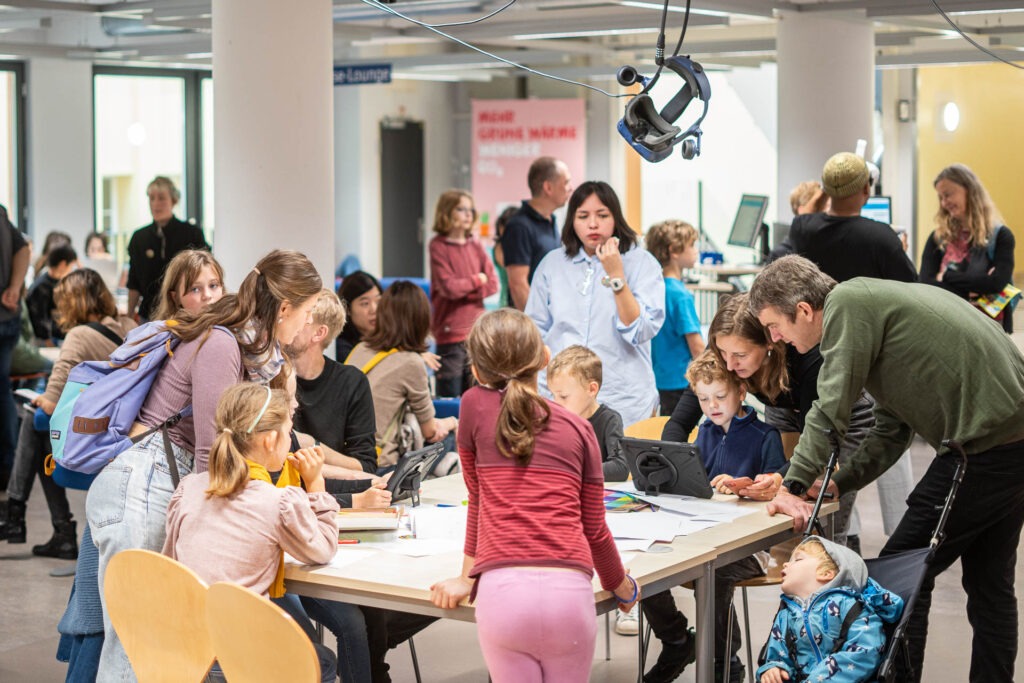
(970,251)
(193,280)
(234,522)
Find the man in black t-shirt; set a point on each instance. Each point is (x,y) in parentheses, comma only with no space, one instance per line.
(840,241)
(532,232)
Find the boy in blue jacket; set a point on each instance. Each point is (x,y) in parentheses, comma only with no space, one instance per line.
(821,584)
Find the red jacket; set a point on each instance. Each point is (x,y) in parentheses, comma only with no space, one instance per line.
(456,294)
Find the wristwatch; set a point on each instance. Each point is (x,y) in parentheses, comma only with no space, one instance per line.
(617,284)
(795,487)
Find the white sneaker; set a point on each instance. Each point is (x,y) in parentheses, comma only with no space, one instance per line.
(627,623)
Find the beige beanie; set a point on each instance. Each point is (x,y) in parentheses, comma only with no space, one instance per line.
(844,174)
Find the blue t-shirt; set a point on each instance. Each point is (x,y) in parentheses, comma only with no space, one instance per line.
(671,352)
(528,238)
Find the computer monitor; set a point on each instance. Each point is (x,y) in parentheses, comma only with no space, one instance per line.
(878,209)
(748,228)
(780,231)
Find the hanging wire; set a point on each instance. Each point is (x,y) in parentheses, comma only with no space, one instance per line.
(393,11)
(478,20)
(971,40)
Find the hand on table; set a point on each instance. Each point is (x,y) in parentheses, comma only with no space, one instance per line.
(765,487)
(624,591)
(718,483)
(794,506)
(374,497)
(449,593)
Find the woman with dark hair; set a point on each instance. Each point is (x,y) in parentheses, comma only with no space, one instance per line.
(970,252)
(602,291)
(390,358)
(86,312)
(360,292)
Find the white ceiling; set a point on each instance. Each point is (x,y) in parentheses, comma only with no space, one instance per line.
(571,38)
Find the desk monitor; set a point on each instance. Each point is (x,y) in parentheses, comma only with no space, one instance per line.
(666,467)
(748,228)
(878,209)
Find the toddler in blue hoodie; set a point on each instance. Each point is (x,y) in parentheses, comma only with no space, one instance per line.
(821,584)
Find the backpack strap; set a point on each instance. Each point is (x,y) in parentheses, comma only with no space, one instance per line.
(991,247)
(163,427)
(105,331)
(844,631)
(372,363)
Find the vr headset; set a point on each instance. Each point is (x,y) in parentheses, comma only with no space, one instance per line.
(653,134)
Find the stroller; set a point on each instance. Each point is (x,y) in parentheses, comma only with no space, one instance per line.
(901,573)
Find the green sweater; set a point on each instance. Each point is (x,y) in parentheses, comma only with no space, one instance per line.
(934,364)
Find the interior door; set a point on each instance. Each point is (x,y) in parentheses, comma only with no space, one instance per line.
(401,194)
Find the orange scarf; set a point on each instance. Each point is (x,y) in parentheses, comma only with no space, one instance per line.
(289,477)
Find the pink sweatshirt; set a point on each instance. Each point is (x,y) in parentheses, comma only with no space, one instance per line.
(456,294)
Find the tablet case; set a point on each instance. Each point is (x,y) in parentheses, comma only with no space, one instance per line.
(666,467)
(410,471)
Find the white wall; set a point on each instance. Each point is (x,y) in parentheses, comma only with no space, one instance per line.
(899,163)
(60,148)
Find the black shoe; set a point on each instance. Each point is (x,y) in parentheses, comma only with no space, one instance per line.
(736,671)
(63,545)
(673,659)
(13,530)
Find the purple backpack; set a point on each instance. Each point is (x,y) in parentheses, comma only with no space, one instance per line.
(101,401)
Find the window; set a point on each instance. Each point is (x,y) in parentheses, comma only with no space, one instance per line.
(146,124)
(12,140)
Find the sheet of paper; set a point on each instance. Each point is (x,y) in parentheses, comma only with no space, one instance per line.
(429,522)
(626,545)
(660,526)
(346,555)
(421,547)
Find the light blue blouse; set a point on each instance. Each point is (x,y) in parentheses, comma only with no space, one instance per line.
(571,306)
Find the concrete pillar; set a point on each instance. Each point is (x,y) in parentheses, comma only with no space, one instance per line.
(274,121)
(826,93)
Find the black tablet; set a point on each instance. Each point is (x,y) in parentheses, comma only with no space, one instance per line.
(666,467)
(410,471)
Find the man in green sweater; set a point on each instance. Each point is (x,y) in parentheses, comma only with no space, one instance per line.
(935,366)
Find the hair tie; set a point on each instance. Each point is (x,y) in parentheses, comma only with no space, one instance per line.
(257,271)
(226,431)
(262,410)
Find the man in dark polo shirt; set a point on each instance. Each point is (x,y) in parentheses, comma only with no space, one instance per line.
(152,247)
(531,232)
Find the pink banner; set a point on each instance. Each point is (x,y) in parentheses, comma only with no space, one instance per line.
(508,135)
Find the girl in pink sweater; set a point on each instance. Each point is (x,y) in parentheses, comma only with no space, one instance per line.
(461,277)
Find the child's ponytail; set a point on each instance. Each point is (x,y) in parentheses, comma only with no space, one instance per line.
(507,352)
(244,410)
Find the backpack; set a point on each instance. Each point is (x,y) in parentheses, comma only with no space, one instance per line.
(990,250)
(87,434)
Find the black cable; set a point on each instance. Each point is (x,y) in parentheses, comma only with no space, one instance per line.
(682,34)
(475,21)
(971,40)
(659,51)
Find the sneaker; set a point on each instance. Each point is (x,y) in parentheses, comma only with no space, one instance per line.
(736,671)
(673,659)
(627,623)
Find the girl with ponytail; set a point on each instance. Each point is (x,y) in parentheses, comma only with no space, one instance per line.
(525,561)
(233,522)
(234,339)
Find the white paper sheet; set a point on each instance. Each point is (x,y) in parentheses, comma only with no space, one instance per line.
(626,545)
(697,508)
(429,522)
(660,526)
(421,547)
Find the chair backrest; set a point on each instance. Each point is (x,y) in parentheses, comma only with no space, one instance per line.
(158,608)
(255,640)
(650,428)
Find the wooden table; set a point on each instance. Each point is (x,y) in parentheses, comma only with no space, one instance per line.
(403,583)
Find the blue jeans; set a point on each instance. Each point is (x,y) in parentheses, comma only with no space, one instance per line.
(346,622)
(10,330)
(127,508)
(328,673)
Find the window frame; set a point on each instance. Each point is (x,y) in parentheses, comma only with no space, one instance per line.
(21,217)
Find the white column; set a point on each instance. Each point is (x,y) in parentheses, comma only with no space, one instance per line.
(826,93)
(60,155)
(274,122)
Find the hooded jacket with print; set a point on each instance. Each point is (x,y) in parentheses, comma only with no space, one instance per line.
(813,627)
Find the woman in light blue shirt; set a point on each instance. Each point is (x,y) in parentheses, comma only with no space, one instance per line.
(602,290)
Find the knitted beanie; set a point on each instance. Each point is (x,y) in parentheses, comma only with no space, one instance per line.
(844,174)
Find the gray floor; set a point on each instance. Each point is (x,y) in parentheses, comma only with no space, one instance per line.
(31,603)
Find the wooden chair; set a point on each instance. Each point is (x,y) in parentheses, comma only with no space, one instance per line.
(650,428)
(255,640)
(158,607)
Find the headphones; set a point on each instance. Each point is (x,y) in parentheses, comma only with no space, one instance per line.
(653,134)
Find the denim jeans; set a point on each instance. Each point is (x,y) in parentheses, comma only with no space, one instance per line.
(127,508)
(33,447)
(346,622)
(328,674)
(10,330)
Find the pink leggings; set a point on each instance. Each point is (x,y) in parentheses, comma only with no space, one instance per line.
(536,625)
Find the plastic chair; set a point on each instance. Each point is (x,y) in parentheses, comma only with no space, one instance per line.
(255,640)
(649,428)
(158,607)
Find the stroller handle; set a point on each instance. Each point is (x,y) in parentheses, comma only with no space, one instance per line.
(953,448)
(814,524)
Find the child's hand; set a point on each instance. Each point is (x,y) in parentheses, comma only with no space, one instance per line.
(765,487)
(624,591)
(44,404)
(718,483)
(374,497)
(774,675)
(449,593)
(309,462)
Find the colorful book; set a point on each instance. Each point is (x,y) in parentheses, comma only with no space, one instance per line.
(993,304)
